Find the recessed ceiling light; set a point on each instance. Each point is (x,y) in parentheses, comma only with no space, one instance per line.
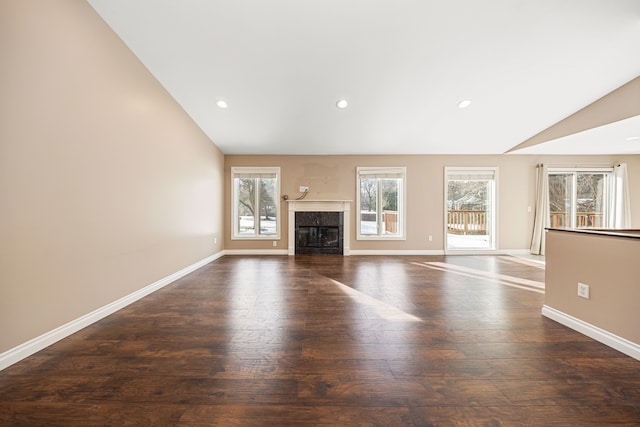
(221,103)
(464,103)
(633,138)
(342,103)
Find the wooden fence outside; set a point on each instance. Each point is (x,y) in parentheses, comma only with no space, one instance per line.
(391,222)
(466,222)
(583,219)
(475,222)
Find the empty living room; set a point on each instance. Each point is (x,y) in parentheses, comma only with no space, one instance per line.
(364,213)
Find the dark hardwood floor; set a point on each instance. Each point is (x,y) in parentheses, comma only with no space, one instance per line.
(330,340)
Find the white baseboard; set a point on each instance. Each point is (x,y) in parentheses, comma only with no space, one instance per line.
(394,252)
(605,337)
(256,252)
(34,345)
(512,252)
(399,252)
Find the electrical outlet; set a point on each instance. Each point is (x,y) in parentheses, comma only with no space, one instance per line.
(583,290)
(215,240)
(430,238)
(304,189)
(275,243)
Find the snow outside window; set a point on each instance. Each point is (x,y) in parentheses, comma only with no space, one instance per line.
(381,203)
(255,202)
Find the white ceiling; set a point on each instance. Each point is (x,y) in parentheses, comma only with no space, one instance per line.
(403,65)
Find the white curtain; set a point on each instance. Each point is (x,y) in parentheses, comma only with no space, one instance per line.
(620,210)
(541,219)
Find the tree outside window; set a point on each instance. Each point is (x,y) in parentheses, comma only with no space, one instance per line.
(255,195)
(578,198)
(380,202)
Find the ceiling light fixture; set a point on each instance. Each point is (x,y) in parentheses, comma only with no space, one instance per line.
(464,103)
(633,138)
(221,103)
(342,103)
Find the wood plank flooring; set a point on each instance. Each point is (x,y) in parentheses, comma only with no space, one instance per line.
(330,340)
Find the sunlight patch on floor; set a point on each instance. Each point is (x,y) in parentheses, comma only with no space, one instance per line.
(502,279)
(382,309)
(536,261)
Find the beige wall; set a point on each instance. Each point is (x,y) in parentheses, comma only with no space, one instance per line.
(334,177)
(609,265)
(106,185)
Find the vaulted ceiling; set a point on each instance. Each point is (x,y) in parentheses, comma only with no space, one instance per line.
(403,66)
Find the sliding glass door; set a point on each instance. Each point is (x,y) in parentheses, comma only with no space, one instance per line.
(470,206)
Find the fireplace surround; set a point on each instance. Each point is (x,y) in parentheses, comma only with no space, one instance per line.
(325,226)
(319,233)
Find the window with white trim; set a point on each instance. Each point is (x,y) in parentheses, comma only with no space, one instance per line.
(579,198)
(255,195)
(381,203)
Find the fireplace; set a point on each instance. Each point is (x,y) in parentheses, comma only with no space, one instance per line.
(325,226)
(319,232)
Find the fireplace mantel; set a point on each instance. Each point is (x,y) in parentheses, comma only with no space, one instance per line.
(319,206)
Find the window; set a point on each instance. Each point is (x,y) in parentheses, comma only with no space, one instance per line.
(579,198)
(255,194)
(380,200)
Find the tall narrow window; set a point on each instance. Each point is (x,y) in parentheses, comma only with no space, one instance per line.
(380,200)
(255,202)
(579,198)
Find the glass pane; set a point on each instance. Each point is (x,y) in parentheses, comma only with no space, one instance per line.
(390,203)
(318,237)
(469,204)
(368,206)
(245,205)
(560,192)
(590,200)
(267,201)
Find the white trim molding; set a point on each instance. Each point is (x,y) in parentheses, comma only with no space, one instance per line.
(605,337)
(391,252)
(399,252)
(256,252)
(36,344)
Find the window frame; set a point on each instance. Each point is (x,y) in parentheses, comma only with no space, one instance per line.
(575,171)
(244,172)
(381,173)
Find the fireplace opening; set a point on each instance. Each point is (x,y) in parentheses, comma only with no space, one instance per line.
(319,233)
(318,237)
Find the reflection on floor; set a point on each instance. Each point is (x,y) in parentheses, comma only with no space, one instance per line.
(333,341)
(502,279)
